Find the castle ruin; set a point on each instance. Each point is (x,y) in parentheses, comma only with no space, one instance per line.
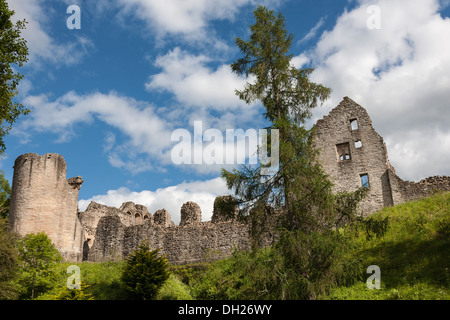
(352,153)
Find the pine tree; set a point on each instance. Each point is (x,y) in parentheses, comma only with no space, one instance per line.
(300,186)
(310,248)
(145,272)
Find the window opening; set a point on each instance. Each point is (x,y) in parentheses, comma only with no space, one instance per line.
(354,124)
(365,180)
(358,144)
(343,151)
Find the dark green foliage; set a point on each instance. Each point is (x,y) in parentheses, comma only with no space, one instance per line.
(13,53)
(66,293)
(38,258)
(5,196)
(309,252)
(288,97)
(282,88)
(285,271)
(8,262)
(373,226)
(145,272)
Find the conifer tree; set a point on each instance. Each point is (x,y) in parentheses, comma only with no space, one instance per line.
(145,272)
(310,248)
(300,186)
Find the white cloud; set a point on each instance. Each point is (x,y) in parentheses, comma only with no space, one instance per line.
(41,44)
(204,93)
(194,84)
(170,198)
(312,33)
(189,19)
(399,73)
(148,145)
(148,133)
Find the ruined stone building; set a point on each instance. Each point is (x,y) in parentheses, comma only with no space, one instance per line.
(353,154)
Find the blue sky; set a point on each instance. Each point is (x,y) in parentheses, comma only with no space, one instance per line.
(108,96)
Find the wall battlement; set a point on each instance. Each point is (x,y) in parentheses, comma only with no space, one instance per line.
(352,153)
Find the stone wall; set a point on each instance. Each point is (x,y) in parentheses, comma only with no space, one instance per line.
(350,148)
(353,153)
(191,241)
(42,199)
(403,191)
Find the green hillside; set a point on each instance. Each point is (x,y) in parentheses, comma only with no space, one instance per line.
(413,256)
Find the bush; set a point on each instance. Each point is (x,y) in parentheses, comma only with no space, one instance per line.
(174,289)
(66,293)
(144,272)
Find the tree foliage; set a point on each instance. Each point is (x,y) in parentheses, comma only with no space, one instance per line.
(38,257)
(145,272)
(8,262)
(13,52)
(300,186)
(300,189)
(5,196)
(73,294)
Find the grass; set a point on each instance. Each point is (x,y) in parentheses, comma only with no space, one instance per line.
(413,256)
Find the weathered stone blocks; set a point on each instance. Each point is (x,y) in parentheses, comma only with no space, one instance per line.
(191,214)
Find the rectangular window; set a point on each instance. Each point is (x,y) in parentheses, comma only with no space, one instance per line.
(364,180)
(343,151)
(354,124)
(358,144)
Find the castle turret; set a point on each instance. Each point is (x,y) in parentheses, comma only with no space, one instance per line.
(42,199)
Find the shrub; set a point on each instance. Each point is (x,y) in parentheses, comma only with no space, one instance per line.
(174,289)
(145,272)
(73,294)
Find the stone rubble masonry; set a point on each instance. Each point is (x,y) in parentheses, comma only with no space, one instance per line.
(42,199)
(350,148)
(220,212)
(191,214)
(191,241)
(352,153)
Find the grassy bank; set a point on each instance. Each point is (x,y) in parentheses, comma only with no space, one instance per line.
(413,256)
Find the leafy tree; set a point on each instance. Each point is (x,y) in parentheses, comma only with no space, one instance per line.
(13,51)
(5,196)
(8,262)
(38,257)
(145,272)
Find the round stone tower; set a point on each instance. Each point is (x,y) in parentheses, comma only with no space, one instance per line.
(42,199)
